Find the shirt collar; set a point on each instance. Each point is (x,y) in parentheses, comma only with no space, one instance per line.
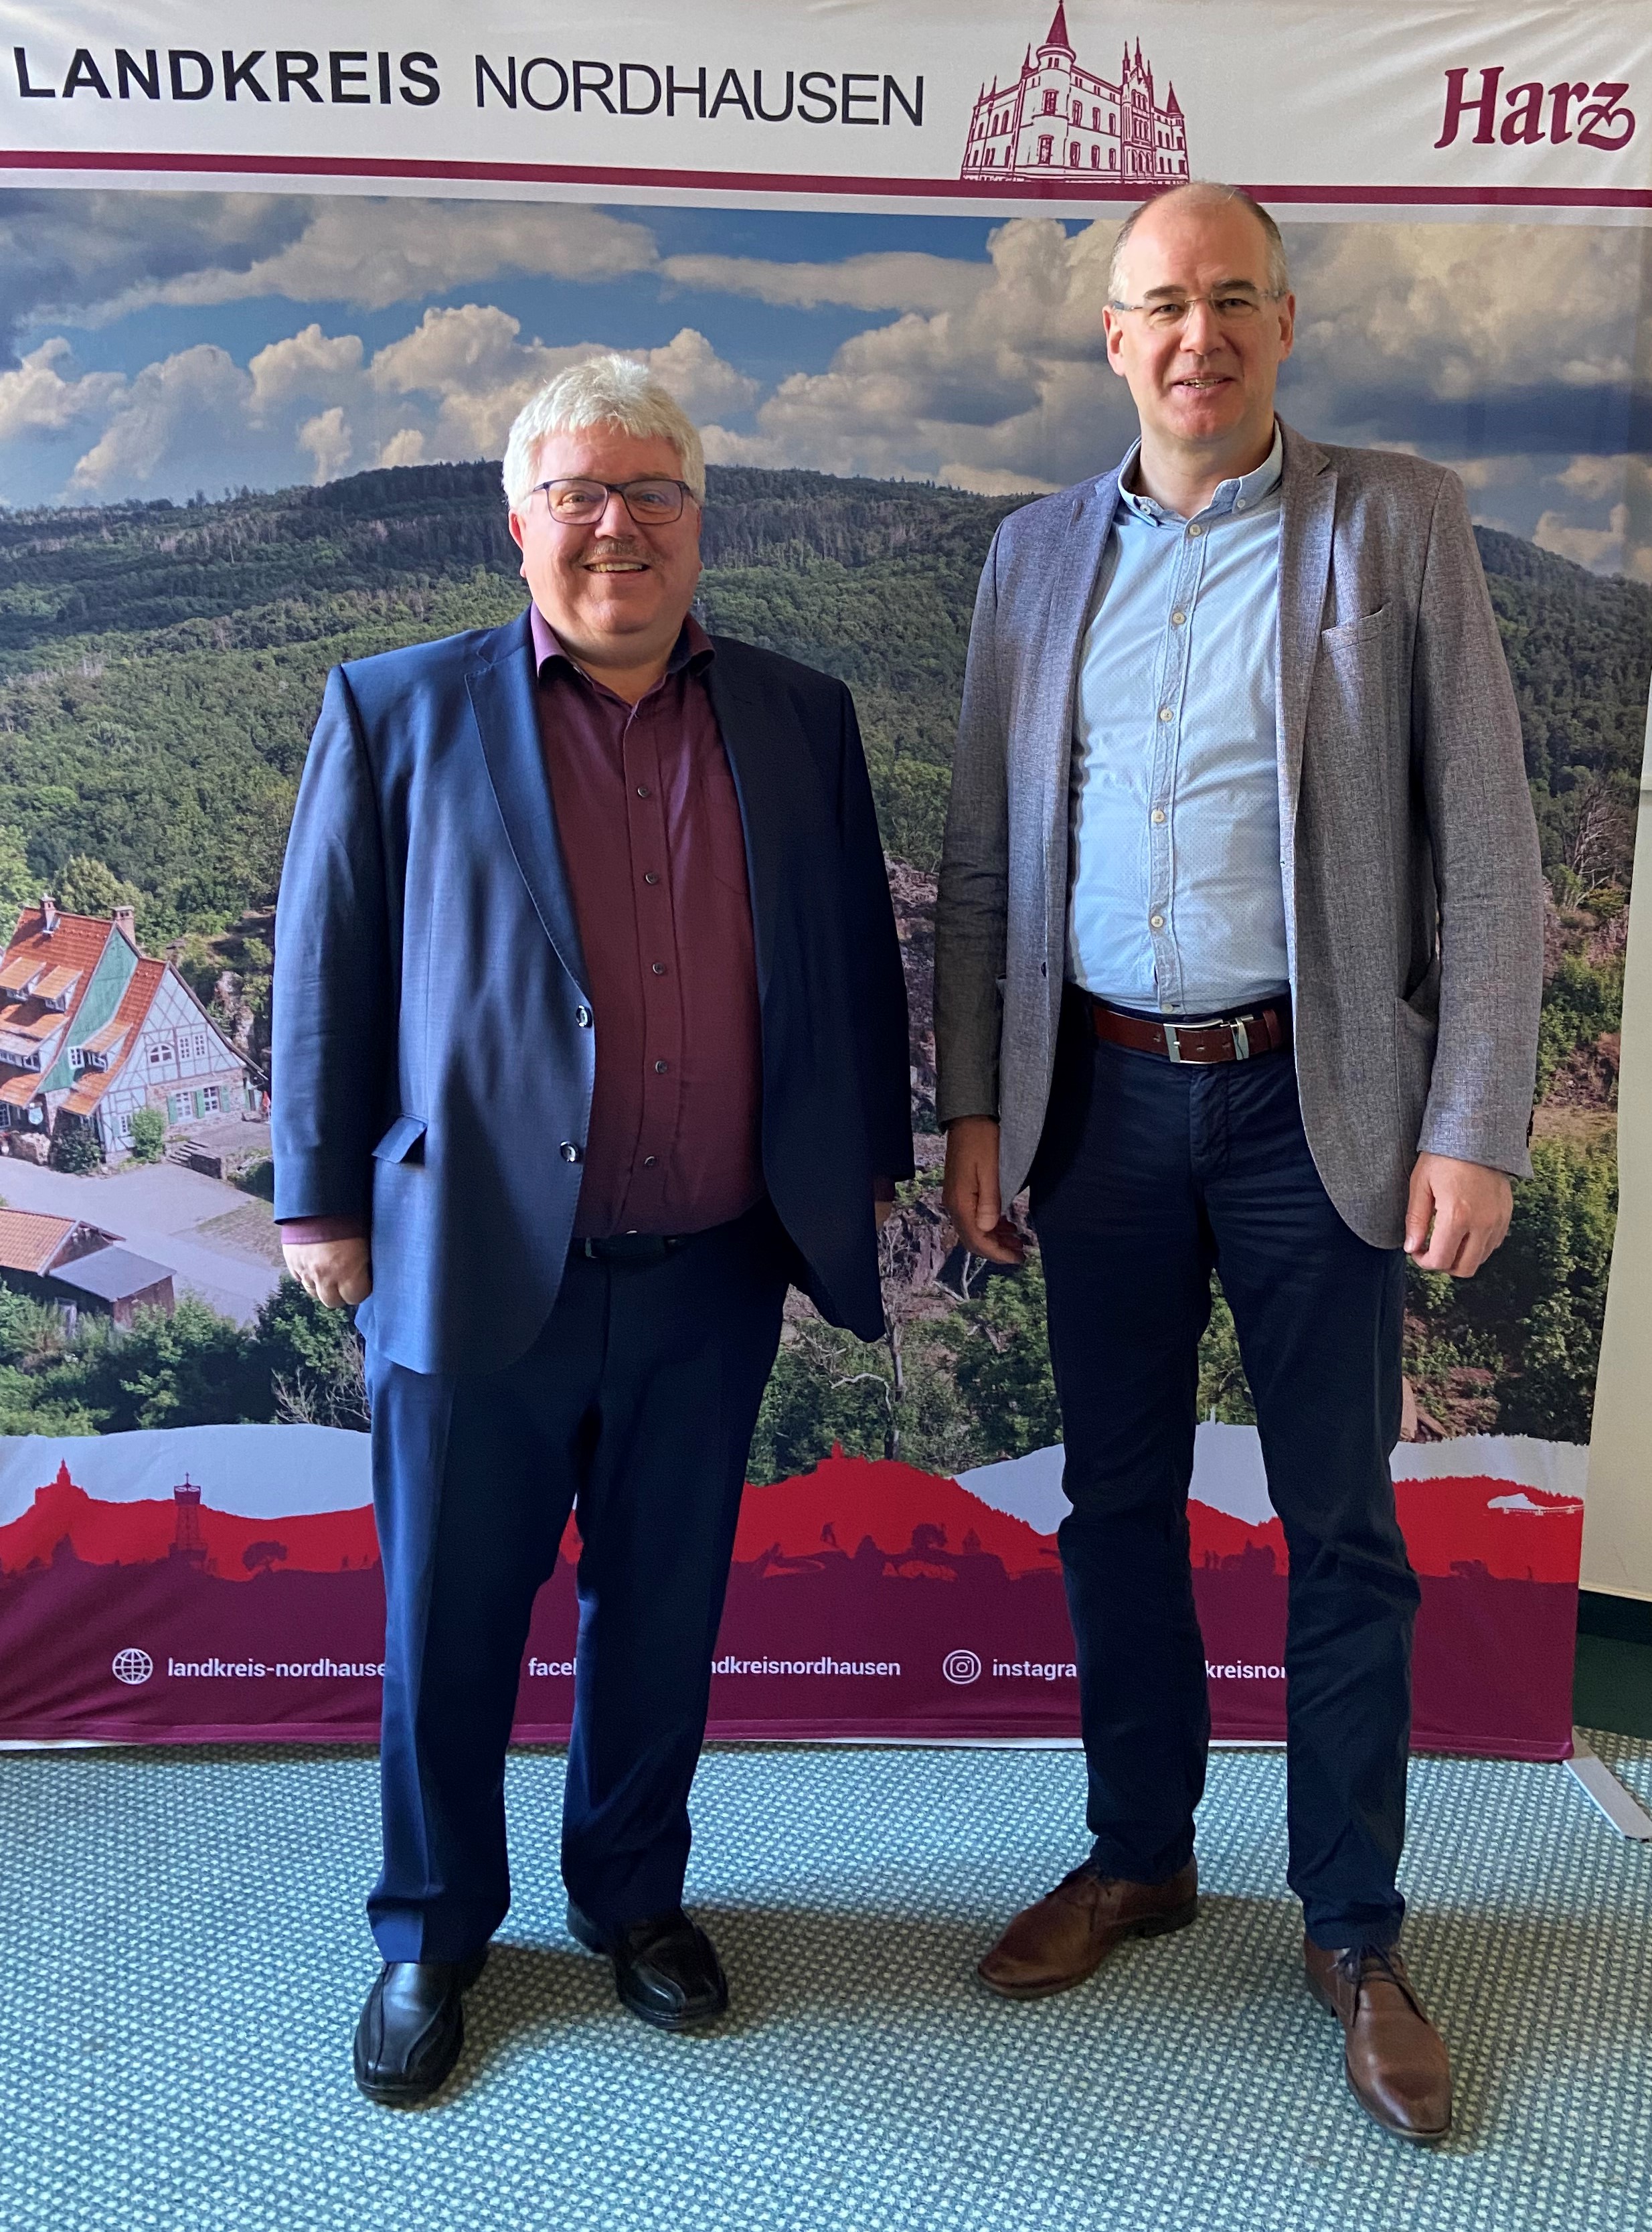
(693,649)
(1241,495)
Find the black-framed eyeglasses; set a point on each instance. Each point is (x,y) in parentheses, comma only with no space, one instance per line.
(652,502)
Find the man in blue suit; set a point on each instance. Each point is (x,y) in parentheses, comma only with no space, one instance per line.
(590,1036)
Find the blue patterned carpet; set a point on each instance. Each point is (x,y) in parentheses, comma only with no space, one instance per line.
(182,1958)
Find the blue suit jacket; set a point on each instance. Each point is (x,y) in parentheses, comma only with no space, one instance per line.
(428,1060)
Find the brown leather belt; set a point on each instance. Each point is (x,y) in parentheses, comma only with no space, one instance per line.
(1225,1038)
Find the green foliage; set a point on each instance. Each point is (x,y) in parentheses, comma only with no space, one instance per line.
(178,1371)
(1002,1363)
(161,670)
(1532,1315)
(1581,1001)
(18,887)
(294,1333)
(75,1147)
(161,666)
(1550,1278)
(1579,648)
(148,1135)
(1224,1391)
(193,1368)
(826,1388)
(31,1333)
(973,1387)
(86,885)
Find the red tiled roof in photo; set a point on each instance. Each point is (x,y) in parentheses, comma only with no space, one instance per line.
(28,1241)
(55,983)
(135,1001)
(64,959)
(28,1020)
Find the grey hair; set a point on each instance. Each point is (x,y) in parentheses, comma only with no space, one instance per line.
(1209,193)
(603,391)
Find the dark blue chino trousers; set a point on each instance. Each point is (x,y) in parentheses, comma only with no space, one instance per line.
(635,1409)
(1150,1174)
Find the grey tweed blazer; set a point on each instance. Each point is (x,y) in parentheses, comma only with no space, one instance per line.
(1413,895)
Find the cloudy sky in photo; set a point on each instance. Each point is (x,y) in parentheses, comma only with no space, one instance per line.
(159,344)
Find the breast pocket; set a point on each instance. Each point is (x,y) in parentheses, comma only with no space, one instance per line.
(1354,753)
(1364,628)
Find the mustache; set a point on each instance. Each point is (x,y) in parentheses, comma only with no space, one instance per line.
(617,547)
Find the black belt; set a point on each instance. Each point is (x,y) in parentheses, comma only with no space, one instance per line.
(631,1247)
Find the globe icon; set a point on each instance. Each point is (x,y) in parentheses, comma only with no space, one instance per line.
(131,1666)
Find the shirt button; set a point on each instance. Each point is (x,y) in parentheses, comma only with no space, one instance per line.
(660,1068)
(1156,921)
(568,1151)
(642,790)
(1167,712)
(1194,531)
(648,1161)
(1239,504)
(1159,813)
(582,1016)
(659,968)
(649,877)
(1178,619)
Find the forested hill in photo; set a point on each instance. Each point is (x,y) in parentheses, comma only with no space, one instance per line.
(160,669)
(160,666)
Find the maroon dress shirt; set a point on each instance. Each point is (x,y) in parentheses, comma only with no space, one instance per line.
(655,853)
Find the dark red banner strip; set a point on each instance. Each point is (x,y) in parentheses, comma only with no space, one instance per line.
(803,182)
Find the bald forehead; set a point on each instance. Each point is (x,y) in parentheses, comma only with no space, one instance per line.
(1187,239)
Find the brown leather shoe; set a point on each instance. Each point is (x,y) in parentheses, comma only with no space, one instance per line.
(1397,2060)
(1066,1937)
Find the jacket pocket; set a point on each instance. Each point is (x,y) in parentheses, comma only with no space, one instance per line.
(403,1143)
(1416,1036)
(1366,628)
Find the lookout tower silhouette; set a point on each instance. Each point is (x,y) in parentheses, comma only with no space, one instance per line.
(187,1545)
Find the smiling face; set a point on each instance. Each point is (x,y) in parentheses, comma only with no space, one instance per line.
(616,594)
(1205,390)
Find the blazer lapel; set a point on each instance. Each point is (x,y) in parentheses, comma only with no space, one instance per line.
(1061,636)
(1043,748)
(1307,519)
(501,697)
(760,785)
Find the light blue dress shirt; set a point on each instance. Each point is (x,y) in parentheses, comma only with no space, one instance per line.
(1177,904)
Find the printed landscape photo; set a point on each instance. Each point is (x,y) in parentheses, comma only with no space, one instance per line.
(243,438)
(877,393)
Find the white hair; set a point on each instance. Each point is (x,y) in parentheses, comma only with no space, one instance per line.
(603,391)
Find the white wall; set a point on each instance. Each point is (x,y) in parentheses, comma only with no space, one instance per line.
(1618,1531)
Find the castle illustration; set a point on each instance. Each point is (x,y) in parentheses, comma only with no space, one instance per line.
(1057,118)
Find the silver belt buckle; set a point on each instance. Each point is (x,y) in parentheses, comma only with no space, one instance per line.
(1241,1039)
(1172,1046)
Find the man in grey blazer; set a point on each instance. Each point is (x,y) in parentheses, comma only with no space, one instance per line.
(1238,961)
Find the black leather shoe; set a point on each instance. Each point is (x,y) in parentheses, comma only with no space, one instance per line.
(666,1969)
(412,2027)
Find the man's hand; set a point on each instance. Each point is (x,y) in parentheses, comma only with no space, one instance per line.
(333,1271)
(971,1192)
(1468,1207)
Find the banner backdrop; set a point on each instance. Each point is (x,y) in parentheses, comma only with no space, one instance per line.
(244,424)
